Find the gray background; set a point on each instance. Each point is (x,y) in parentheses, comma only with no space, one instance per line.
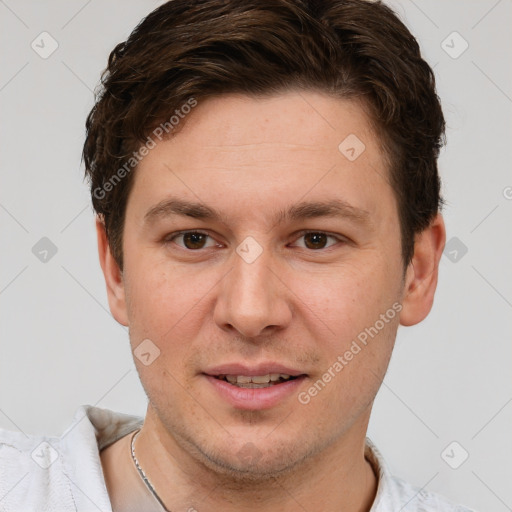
(449,378)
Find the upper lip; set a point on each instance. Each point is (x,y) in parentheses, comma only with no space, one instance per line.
(264,368)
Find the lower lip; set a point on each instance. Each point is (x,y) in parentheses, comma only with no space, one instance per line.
(255,398)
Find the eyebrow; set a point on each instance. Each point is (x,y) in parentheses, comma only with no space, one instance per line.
(300,211)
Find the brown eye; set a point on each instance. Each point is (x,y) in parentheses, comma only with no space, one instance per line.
(315,240)
(192,240)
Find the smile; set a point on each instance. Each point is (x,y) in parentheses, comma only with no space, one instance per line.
(255,391)
(256,381)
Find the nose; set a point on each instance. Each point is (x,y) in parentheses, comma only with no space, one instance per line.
(253,298)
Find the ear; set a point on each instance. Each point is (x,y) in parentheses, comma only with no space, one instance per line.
(422,272)
(113,276)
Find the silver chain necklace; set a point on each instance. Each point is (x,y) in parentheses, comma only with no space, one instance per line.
(143,475)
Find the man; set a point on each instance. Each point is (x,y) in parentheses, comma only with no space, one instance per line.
(265,179)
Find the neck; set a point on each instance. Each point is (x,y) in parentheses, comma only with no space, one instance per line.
(338,477)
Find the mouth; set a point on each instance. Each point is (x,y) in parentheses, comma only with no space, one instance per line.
(259,387)
(256,387)
(257,381)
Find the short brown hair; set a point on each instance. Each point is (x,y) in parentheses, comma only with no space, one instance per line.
(354,49)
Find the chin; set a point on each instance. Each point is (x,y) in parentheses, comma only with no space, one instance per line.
(249,462)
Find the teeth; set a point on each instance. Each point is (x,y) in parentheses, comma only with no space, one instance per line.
(260,379)
(256,379)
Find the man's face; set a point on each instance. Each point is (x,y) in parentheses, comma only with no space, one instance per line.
(261,287)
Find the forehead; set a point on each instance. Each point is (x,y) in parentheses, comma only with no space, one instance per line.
(308,119)
(281,148)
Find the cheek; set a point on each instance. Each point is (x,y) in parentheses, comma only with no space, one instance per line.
(164,309)
(344,301)
(169,304)
(355,359)
(156,300)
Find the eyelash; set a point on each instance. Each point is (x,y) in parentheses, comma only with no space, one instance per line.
(173,236)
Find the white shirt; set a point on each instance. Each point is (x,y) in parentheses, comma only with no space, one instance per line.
(61,474)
